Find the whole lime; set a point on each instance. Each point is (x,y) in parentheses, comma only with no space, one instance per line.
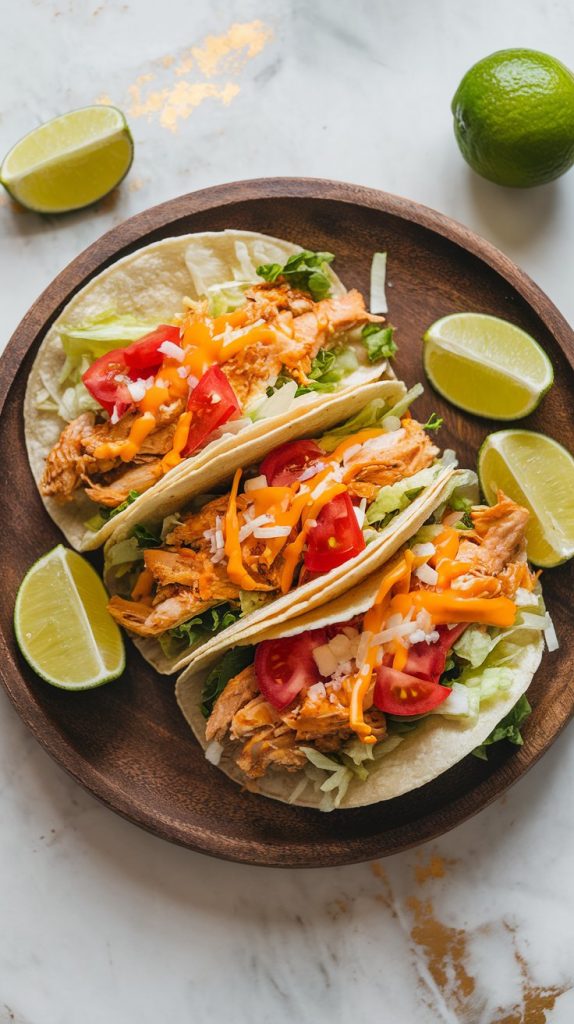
(514,117)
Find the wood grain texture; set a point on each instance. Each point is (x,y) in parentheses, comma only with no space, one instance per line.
(126,742)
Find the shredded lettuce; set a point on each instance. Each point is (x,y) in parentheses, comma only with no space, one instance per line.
(305,270)
(181,638)
(474,645)
(125,551)
(508,728)
(328,369)
(354,761)
(231,664)
(395,497)
(371,416)
(226,297)
(378,341)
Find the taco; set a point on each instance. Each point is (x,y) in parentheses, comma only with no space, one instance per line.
(180,352)
(217,550)
(381,691)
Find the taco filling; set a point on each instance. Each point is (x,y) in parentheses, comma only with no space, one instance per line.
(438,639)
(308,508)
(148,405)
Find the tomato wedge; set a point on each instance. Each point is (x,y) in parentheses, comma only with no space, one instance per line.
(398,693)
(100,380)
(336,537)
(212,403)
(140,359)
(427,661)
(143,356)
(288,462)
(286,666)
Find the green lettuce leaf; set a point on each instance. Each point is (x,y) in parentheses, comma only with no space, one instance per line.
(373,415)
(378,341)
(328,369)
(145,537)
(233,662)
(305,270)
(395,497)
(508,728)
(197,630)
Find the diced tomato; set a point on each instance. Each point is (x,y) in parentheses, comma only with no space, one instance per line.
(212,403)
(140,359)
(143,356)
(100,380)
(336,537)
(398,693)
(286,666)
(427,661)
(287,463)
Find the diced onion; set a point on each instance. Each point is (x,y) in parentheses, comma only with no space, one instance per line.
(423,550)
(316,690)
(426,574)
(137,389)
(311,471)
(378,278)
(550,635)
(343,647)
(172,351)
(255,484)
(325,660)
(213,752)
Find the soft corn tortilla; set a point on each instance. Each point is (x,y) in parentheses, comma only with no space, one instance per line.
(304,598)
(437,745)
(151,283)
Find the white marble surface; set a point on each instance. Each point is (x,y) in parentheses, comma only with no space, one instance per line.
(99,921)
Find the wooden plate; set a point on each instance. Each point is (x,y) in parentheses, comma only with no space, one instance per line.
(127,742)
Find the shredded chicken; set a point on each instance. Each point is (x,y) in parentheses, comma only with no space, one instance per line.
(238,691)
(140,478)
(374,468)
(303,328)
(273,738)
(139,618)
(67,462)
(188,584)
(192,528)
(495,550)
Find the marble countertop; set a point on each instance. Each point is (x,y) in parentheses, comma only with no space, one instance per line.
(100,921)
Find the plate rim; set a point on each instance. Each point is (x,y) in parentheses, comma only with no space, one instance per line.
(107,249)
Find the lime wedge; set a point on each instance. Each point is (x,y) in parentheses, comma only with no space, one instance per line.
(69,162)
(62,624)
(539,473)
(486,366)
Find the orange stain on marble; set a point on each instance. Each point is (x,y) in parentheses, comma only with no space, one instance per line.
(232,49)
(222,55)
(434,868)
(445,950)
